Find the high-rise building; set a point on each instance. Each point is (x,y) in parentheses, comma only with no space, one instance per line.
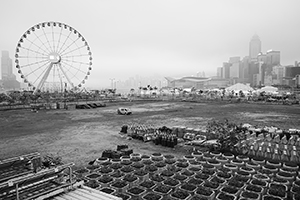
(200,74)
(226,70)
(220,72)
(254,47)
(245,66)
(297,81)
(291,71)
(234,59)
(268,80)
(235,70)
(273,58)
(6,67)
(241,73)
(262,68)
(256,80)
(258,77)
(253,69)
(278,74)
(8,79)
(262,57)
(235,67)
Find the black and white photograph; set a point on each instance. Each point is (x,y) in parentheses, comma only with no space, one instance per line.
(150,100)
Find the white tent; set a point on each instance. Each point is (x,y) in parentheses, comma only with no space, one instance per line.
(269,89)
(239,87)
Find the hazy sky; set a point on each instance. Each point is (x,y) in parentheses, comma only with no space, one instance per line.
(166,37)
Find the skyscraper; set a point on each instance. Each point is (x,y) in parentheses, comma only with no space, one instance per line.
(6,66)
(262,57)
(245,67)
(226,70)
(273,58)
(8,79)
(254,48)
(220,72)
(235,67)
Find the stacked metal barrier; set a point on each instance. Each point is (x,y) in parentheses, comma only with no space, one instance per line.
(24,178)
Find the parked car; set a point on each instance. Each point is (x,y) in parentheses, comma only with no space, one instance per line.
(124,111)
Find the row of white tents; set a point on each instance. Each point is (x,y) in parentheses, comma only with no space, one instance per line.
(236,89)
(246,89)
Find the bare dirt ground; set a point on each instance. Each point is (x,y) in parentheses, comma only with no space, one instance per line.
(80,136)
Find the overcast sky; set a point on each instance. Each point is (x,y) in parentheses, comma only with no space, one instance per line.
(165,37)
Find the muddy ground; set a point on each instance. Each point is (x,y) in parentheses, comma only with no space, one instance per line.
(81,135)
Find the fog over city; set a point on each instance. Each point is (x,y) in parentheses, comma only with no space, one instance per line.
(161,37)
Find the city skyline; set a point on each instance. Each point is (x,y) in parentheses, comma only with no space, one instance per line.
(235,66)
(168,38)
(258,68)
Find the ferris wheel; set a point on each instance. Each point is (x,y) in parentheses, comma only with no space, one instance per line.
(52,56)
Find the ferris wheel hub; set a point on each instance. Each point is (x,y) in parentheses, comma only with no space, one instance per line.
(54,58)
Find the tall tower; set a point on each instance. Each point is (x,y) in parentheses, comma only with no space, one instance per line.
(254,47)
(6,66)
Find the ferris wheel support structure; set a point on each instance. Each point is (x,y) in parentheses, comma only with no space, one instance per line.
(65,75)
(44,78)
